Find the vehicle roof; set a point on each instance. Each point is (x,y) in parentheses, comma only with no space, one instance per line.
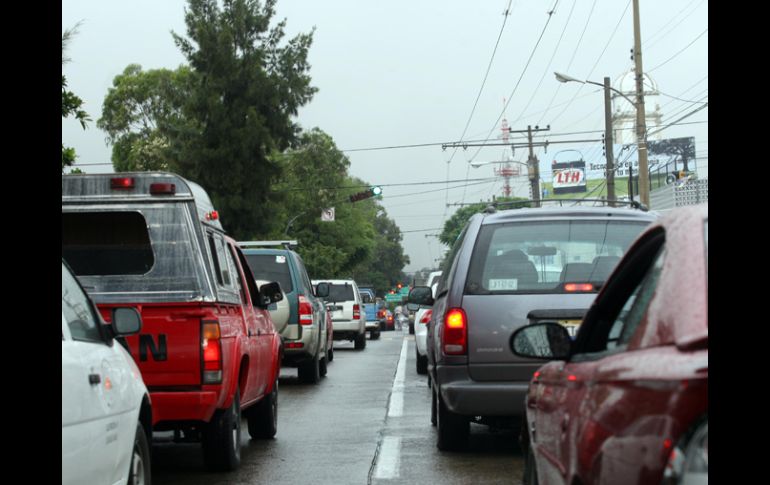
(508,215)
(96,188)
(334,282)
(268,251)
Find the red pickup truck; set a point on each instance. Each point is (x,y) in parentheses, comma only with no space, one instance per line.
(208,350)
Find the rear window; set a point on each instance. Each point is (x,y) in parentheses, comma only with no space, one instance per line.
(106,243)
(542,257)
(271,267)
(341,293)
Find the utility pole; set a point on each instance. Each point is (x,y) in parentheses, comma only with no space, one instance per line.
(534,173)
(641,126)
(608,143)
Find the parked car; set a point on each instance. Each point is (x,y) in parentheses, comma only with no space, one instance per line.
(345,305)
(306,336)
(496,280)
(106,415)
(370,308)
(627,401)
(423,317)
(208,349)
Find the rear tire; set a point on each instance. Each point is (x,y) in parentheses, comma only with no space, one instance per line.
(322,367)
(222,438)
(310,372)
(453,429)
(263,418)
(139,470)
(422,362)
(374,334)
(360,341)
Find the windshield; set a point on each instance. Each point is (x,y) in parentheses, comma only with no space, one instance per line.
(544,257)
(340,293)
(271,267)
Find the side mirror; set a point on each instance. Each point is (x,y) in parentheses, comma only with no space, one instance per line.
(271,293)
(420,295)
(542,340)
(126,321)
(322,290)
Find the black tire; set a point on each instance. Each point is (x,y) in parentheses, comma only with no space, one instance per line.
(433,411)
(310,372)
(422,362)
(529,477)
(453,429)
(411,329)
(360,342)
(139,470)
(263,418)
(330,354)
(222,438)
(322,370)
(374,334)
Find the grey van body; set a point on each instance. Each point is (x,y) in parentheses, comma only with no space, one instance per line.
(489,381)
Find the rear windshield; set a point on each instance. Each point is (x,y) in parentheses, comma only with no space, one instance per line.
(340,293)
(271,267)
(543,257)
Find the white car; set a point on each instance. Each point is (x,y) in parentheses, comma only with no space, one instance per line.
(106,417)
(347,310)
(421,320)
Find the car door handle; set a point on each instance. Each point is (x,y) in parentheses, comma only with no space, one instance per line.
(94,379)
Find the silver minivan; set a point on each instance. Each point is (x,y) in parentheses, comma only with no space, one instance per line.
(508,269)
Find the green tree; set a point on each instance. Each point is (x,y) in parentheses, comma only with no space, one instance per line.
(384,268)
(677,148)
(455,224)
(71,105)
(140,113)
(246,90)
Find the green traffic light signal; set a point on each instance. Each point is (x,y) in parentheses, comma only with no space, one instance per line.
(376,190)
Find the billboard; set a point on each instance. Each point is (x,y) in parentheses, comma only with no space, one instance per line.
(568,172)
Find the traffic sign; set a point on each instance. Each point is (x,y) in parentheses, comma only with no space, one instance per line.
(394,298)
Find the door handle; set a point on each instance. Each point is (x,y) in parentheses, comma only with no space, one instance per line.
(94,379)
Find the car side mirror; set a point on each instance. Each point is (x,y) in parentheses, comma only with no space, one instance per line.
(542,340)
(322,290)
(420,295)
(270,293)
(126,321)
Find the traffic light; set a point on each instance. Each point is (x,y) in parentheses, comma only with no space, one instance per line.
(371,192)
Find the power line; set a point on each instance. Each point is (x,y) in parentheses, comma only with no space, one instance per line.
(684,49)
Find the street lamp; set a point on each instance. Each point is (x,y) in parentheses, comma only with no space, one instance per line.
(644,193)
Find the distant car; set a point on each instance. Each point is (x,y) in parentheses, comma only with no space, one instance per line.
(106,416)
(499,281)
(390,320)
(627,401)
(370,309)
(347,310)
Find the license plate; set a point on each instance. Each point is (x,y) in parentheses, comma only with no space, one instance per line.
(571,326)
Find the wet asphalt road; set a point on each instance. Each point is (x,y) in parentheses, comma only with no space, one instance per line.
(365,423)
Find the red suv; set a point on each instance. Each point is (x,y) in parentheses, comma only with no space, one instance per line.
(627,400)
(208,350)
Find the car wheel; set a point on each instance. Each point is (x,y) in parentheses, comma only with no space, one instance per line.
(374,334)
(453,429)
(139,470)
(433,408)
(222,438)
(422,362)
(360,341)
(322,367)
(530,470)
(411,329)
(310,372)
(263,418)
(330,354)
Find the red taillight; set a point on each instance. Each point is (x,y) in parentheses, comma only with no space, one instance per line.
(455,335)
(211,344)
(426,317)
(295,345)
(212,216)
(356,312)
(305,311)
(578,287)
(122,183)
(162,189)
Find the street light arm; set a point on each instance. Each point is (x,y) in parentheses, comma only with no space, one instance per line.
(563,78)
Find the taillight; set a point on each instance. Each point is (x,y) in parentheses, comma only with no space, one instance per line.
(455,336)
(578,287)
(162,189)
(426,317)
(211,344)
(122,183)
(305,311)
(356,312)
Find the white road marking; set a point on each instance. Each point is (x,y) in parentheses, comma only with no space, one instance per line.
(396,406)
(389,459)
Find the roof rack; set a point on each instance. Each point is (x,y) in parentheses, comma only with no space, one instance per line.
(493,207)
(286,244)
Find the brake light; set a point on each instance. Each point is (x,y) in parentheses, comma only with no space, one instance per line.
(426,317)
(578,287)
(356,312)
(305,311)
(162,189)
(455,336)
(295,345)
(212,216)
(211,344)
(122,183)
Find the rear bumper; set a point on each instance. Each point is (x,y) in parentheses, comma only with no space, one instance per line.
(373,325)
(183,406)
(344,329)
(309,341)
(462,395)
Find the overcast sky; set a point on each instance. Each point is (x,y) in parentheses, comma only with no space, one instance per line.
(406,72)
